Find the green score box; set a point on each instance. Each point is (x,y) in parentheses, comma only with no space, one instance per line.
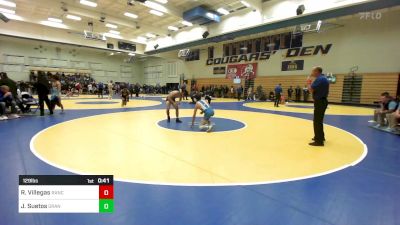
(106,205)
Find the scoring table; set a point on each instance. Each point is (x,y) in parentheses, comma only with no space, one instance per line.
(66,194)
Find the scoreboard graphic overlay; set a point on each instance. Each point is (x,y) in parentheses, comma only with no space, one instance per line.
(66,194)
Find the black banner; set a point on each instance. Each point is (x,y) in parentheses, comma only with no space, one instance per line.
(220,70)
(293,65)
(66,179)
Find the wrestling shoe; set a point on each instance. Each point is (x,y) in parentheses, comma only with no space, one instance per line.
(316,143)
(210,128)
(13,116)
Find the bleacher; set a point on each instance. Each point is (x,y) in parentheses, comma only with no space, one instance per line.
(372,85)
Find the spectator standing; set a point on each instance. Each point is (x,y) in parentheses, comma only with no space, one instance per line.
(184,91)
(110,87)
(278,92)
(249,93)
(306,93)
(290,93)
(298,93)
(239,92)
(43,89)
(232,92)
(100,89)
(137,90)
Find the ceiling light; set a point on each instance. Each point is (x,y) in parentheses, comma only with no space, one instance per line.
(187,23)
(8,3)
(131,15)
(111,35)
(53,24)
(211,15)
(13,17)
(111,26)
(141,39)
(173,28)
(150,35)
(72,17)
(114,32)
(223,11)
(155,6)
(8,11)
(88,3)
(245,3)
(131,54)
(162,1)
(157,13)
(55,20)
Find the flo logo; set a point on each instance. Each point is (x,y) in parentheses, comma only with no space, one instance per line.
(370,15)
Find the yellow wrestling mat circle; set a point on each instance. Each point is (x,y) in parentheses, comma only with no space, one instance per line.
(130,145)
(309,108)
(104,103)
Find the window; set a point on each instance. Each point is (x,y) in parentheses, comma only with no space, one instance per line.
(286,39)
(267,43)
(263,44)
(242,48)
(257,43)
(211,52)
(193,55)
(226,50)
(297,40)
(275,42)
(250,46)
(234,48)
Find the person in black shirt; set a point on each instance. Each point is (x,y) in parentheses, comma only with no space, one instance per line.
(43,90)
(320,90)
(290,93)
(298,93)
(306,93)
(278,92)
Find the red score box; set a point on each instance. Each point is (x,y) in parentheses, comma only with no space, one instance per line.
(106,192)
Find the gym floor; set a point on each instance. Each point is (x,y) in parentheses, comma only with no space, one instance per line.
(255,168)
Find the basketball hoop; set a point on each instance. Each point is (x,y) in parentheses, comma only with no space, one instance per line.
(308,27)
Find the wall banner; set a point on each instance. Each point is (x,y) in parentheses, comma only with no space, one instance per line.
(219,70)
(293,65)
(245,71)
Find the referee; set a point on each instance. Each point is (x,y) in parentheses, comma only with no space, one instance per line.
(320,90)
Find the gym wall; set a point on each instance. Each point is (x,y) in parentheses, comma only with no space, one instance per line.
(162,71)
(19,56)
(371,45)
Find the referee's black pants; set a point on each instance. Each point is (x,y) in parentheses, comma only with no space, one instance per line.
(320,106)
(277,100)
